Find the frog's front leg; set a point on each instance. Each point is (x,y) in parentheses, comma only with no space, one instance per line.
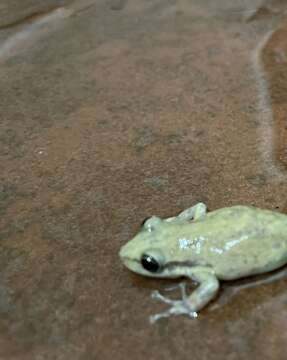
(193,213)
(201,296)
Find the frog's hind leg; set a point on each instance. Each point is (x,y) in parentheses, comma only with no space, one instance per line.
(193,213)
(232,290)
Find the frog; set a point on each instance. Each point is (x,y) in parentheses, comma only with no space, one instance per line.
(206,247)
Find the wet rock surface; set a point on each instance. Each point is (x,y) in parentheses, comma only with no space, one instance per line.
(115,110)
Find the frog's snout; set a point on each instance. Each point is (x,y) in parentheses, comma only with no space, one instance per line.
(126,258)
(122,252)
(128,250)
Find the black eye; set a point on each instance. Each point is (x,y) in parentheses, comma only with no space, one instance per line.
(149,263)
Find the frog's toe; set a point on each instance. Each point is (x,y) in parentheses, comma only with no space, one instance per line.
(158,296)
(183,307)
(179,307)
(156,317)
(182,287)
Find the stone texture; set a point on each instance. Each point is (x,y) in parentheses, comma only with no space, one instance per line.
(275,64)
(112,111)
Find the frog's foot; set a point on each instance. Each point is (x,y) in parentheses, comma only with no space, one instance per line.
(178,307)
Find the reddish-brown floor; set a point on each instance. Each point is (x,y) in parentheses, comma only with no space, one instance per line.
(113,110)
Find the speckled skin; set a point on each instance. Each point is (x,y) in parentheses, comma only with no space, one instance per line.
(226,244)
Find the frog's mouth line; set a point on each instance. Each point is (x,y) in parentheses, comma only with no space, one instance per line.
(133,265)
(130,263)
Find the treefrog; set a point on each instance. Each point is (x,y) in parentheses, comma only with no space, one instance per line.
(206,247)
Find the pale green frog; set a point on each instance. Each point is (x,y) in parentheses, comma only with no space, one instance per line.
(225,244)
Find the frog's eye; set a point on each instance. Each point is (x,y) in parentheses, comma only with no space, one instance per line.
(151,223)
(149,263)
(152,261)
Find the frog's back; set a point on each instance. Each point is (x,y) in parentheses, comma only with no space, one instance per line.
(244,241)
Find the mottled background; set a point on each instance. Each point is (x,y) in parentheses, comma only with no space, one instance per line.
(115,110)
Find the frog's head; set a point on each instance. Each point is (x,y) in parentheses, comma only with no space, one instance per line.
(147,252)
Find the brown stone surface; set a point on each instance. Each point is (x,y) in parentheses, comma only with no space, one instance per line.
(275,64)
(111,111)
